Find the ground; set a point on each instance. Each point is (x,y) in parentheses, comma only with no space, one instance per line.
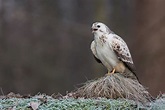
(58,102)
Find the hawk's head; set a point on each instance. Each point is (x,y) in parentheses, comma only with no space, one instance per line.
(98,28)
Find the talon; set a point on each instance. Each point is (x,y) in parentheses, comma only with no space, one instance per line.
(109,73)
(113,71)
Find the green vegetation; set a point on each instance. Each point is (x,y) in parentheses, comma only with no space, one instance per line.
(44,102)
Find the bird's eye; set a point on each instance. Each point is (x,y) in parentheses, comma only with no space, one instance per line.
(98,26)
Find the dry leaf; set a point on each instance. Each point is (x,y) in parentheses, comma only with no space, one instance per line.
(34,105)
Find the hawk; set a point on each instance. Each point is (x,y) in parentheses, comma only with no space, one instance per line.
(111,50)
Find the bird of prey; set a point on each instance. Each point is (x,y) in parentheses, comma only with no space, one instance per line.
(111,50)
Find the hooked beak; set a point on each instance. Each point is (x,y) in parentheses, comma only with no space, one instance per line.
(94,29)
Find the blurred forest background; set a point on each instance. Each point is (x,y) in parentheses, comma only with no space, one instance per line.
(45,44)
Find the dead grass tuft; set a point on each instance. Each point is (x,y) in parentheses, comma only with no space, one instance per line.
(113,87)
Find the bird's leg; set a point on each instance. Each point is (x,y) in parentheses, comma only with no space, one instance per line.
(112,72)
